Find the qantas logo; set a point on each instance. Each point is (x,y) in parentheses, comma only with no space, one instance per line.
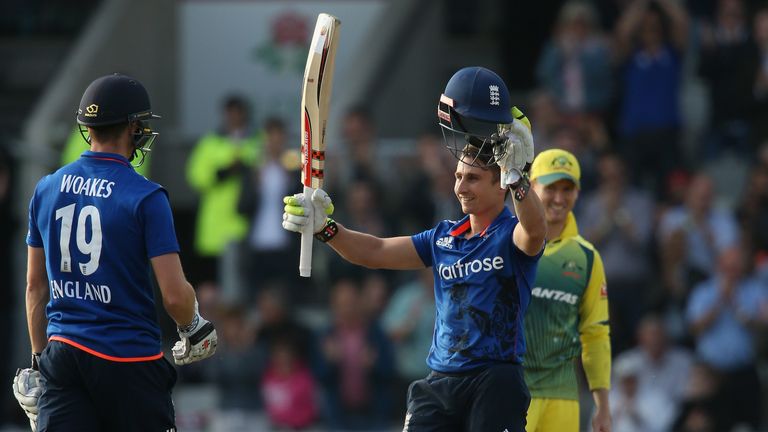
(555,295)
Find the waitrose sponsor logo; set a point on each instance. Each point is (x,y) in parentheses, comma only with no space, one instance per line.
(461,269)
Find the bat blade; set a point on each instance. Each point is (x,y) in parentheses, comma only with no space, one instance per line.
(315,102)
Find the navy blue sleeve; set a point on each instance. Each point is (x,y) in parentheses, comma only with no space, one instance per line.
(34,238)
(423,244)
(519,254)
(525,265)
(159,232)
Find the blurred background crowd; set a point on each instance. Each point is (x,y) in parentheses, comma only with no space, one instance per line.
(674,196)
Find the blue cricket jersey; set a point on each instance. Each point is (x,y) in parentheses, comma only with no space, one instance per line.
(482,289)
(99,223)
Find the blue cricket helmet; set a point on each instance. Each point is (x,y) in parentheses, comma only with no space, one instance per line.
(116,99)
(474,110)
(480,94)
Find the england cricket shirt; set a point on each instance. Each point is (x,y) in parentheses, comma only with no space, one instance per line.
(482,290)
(99,223)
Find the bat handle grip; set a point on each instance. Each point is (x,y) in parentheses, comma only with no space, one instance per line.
(307,236)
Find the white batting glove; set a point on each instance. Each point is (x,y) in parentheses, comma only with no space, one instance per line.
(518,156)
(294,213)
(27,388)
(198,341)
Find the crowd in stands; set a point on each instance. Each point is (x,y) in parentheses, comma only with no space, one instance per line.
(666,108)
(666,111)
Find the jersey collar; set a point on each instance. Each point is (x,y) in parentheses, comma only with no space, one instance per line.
(570,229)
(463,225)
(110,157)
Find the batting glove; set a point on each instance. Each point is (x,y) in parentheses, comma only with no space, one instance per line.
(198,341)
(295,211)
(518,155)
(27,388)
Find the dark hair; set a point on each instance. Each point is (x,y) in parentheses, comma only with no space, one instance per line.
(485,157)
(360,111)
(274,123)
(235,102)
(107,133)
(664,20)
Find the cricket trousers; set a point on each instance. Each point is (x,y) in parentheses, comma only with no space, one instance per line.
(494,399)
(85,393)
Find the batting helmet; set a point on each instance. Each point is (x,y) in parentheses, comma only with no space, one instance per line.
(475,109)
(115,99)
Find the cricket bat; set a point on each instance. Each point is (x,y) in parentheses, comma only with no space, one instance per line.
(315,100)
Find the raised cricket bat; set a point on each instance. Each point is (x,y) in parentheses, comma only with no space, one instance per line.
(315,100)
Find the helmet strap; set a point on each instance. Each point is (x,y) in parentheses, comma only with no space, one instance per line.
(138,155)
(84,133)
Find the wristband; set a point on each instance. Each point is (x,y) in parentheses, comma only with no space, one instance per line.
(521,188)
(328,232)
(36,361)
(189,328)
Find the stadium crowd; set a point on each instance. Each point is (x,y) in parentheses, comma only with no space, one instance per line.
(666,107)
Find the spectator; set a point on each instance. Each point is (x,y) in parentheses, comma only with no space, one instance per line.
(633,409)
(288,389)
(724,313)
(617,219)
(650,41)
(575,64)
(546,119)
(356,365)
(570,138)
(664,370)
(409,321)
(236,373)
(360,136)
(762,155)
(753,216)
(8,237)
(208,299)
(374,294)
(760,26)
(704,406)
(729,64)
(358,152)
(427,189)
(215,170)
(698,230)
(595,133)
(676,188)
(277,323)
(273,177)
(363,210)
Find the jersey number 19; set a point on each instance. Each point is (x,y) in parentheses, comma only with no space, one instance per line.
(91,248)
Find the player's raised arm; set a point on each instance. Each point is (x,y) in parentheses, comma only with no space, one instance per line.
(530,233)
(515,164)
(394,253)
